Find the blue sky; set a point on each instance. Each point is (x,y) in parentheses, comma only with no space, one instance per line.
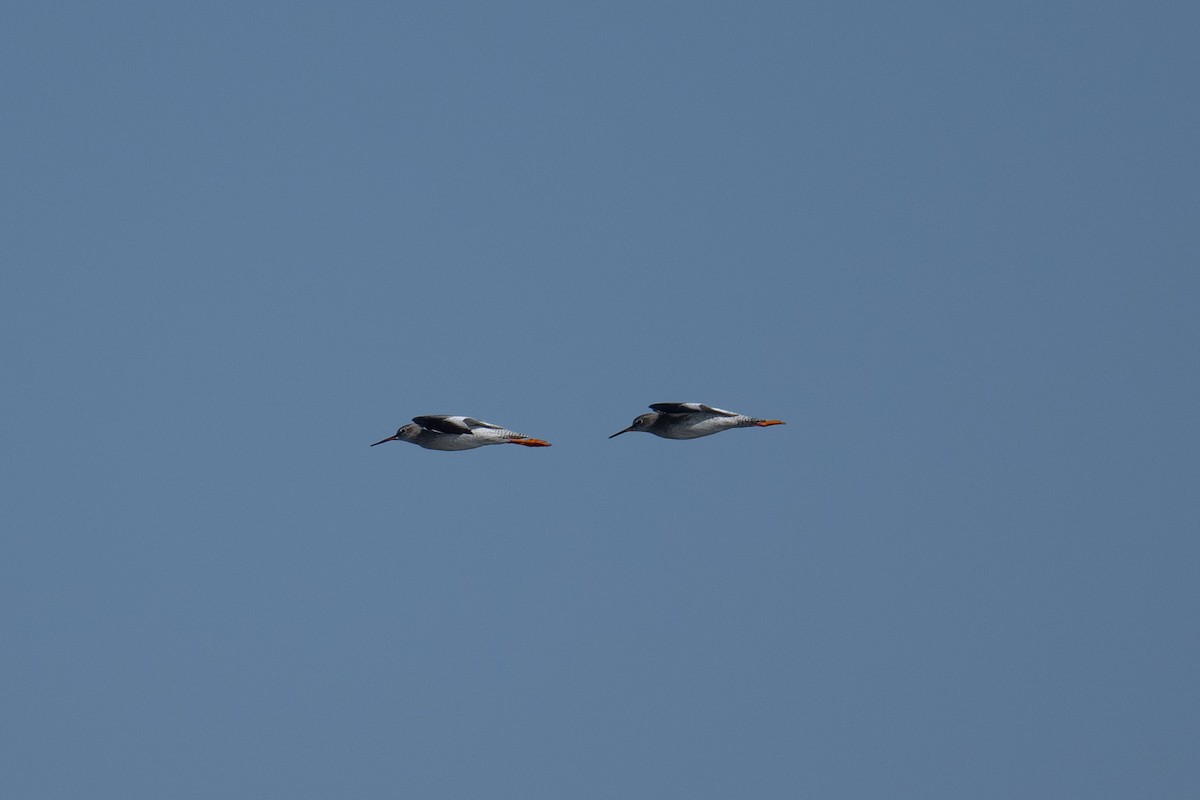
(954,246)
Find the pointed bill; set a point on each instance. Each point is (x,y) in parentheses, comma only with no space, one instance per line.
(391,438)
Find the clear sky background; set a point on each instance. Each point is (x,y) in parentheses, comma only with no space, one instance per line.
(955,246)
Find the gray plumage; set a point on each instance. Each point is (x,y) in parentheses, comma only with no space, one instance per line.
(691,421)
(446,432)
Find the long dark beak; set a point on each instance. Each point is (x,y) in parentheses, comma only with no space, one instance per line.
(389,439)
(618,433)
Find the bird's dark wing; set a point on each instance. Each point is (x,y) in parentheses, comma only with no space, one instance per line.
(689,408)
(443,424)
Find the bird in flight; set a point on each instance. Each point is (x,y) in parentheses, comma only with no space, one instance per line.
(438,432)
(691,421)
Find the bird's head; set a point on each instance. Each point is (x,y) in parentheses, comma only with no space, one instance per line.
(639,424)
(405,433)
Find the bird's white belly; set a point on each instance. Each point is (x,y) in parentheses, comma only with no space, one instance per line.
(452,441)
(704,426)
(463,441)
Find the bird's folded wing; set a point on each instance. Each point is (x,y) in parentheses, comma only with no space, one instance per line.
(478,423)
(443,424)
(689,408)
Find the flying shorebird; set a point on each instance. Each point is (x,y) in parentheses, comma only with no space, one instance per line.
(691,421)
(438,432)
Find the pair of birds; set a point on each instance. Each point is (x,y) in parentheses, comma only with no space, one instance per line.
(668,420)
